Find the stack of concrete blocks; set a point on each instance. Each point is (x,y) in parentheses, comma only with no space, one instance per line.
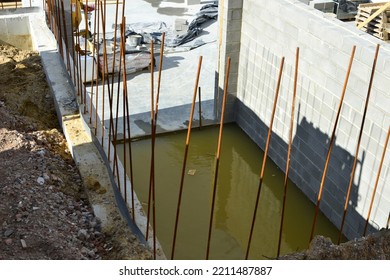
(325,6)
(181,26)
(192,2)
(272,29)
(307,2)
(230,19)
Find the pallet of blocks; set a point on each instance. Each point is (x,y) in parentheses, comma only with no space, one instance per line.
(378,26)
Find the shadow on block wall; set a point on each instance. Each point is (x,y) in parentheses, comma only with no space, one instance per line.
(310,146)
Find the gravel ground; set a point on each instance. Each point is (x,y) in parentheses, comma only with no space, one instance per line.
(44,209)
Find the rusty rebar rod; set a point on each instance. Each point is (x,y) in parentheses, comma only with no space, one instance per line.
(288,151)
(159,79)
(78,65)
(73,52)
(264,159)
(331,143)
(48,13)
(128,131)
(110,97)
(115,130)
(115,38)
(219,146)
(54,23)
(388,221)
(105,62)
(93,67)
(113,67)
(58,19)
(124,96)
(154,126)
(183,170)
(85,56)
(66,39)
(97,66)
(200,106)
(376,181)
(152,196)
(358,144)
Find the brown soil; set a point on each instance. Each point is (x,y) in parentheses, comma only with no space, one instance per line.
(44,209)
(373,247)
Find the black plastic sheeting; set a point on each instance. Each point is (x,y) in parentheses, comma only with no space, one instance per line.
(350,6)
(207,13)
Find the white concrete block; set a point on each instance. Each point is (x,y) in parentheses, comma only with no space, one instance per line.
(325,6)
(192,2)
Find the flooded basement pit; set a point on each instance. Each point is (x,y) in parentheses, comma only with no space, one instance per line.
(238,182)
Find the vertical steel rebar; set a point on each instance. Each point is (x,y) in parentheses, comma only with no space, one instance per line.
(332,138)
(185,159)
(66,39)
(218,157)
(105,66)
(376,181)
(115,130)
(264,160)
(78,64)
(154,111)
(152,126)
(124,96)
(85,56)
(388,221)
(289,150)
(73,44)
(152,196)
(58,19)
(110,97)
(97,65)
(128,131)
(93,66)
(358,144)
(159,80)
(200,107)
(113,68)
(53,13)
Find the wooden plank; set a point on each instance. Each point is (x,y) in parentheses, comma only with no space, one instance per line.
(11,5)
(370,6)
(374,15)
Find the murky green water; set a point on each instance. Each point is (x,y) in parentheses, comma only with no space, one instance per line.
(238,182)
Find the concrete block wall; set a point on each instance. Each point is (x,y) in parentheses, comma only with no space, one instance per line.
(230,20)
(272,29)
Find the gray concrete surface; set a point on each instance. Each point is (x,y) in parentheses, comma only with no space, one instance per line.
(178,75)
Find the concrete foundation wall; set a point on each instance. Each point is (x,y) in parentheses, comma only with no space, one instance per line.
(272,29)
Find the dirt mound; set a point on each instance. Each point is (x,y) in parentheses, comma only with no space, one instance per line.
(44,210)
(373,247)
